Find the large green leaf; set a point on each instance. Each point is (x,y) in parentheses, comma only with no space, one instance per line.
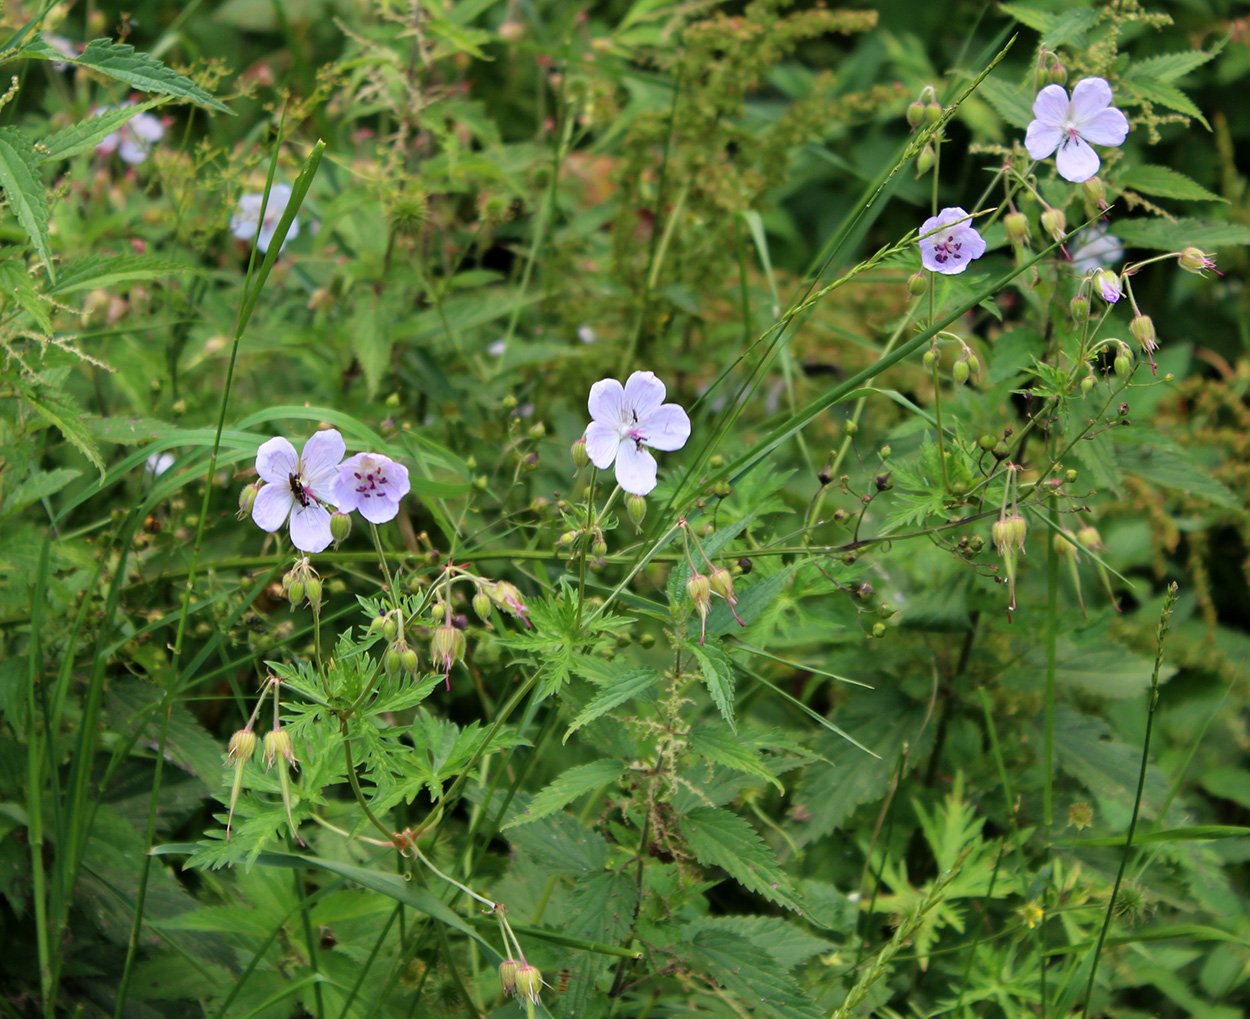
(67,417)
(24,190)
(567,787)
(719,838)
(1174,234)
(86,134)
(750,972)
(138,70)
(720,745)
(718,676)
(1166,183)
(630,684)
(601,907)
(102,271)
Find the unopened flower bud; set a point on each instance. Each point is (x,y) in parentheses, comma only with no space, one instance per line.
(295,592)
(1195,260)
(1088,537)
(447,648)
(247,499)
(932,112)
(929,359)
(1017,226)
(278,744)
(1143,329)
(1095,192)
(1055,223)
(886,452)
(1079,308)
(988,441)
(879,630)
(242,745)
(312,591)
(915,113)
(1063,545)
(635,509)
(960,372)
(511,31)
(481,605)
(390,626)
(529,982)
(925,161)
(1107,284)
(1087,383)
(340,526)
(699,588)
(507,975)
(1070,476)
(1123,363)
(391,660)
(1056,73)
(599,548)
(578,452)
(408,660)
(917,284)
(568,538)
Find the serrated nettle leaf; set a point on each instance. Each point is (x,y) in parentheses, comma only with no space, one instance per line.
(1154,90)
(601,907)
(717,672)
(1009,101)
(1172,467)
(123,62)
(1175,234)
(786,942)
(1170,66)
(1166,183)
(570,785)
(16,281)
(721,745)
(60,411)
(750,971)
(103,271)
(562,845)
(39,486)
(631,684)
(719,838)
(85,135)
(24,191)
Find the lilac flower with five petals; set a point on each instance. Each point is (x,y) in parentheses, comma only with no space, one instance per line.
(299,487)
(628,417)
(948,242)
(373,484)
(1072,125)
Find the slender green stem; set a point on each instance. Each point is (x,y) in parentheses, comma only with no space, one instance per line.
(585,544)
(1165,616)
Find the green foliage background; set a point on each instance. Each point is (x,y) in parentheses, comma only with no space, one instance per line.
(879,792)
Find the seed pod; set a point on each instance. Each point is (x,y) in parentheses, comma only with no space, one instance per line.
(481,605)
(1055,223)
(1095,192)
(925,161)
(1143,329)
(917,284)
(915,113)
(960,372)
(1079,308)
(529,982)
(340,526)
(635,509)
(1017,226)
(1195,260)
(578,452)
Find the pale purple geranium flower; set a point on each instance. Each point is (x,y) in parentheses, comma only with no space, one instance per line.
(628,417)
(134,139)
(948,242)
(1072,125)
(373,484)
(299,487)
(1096,248)
(245,222)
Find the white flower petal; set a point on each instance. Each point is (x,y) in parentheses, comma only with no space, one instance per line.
(397,482)
(108,144)
(1076,161)
(273,505)
(1106,127)
(310,527)
(607,402)
(643,394)
(276,461)
(1051,105)
(132,152)
(1088,97)
(666,427)
(378,511)
(321,457)
(973,244)
(635,469)
(147,128)
(1042,139)
(602,441)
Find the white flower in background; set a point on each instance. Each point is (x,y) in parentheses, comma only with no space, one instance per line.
(158,463)
(1096,248)
(246,218)
(497,348)
(586,334)
(948,242)
(1073,125)
(298,487)
(63,46)
(628,417)
(134,139)
(373,484)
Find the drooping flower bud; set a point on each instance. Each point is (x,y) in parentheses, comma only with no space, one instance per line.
(1087,384)
(399,657)
(340,526)
(917,284)
(1095,192)
(578,452)
(699,588)
(960,372)
(278,744)
(507,975)
(508,597)
(599,548)
(1079,308)
(915,113)
(1017,226)
(636,509)
(242,747)
(446,648)
(1123,363)
(1143,329)
(312,591)
(1056,73)
(529,982)
(1088,537)
(925,161)
(481,605)
(247,499)
(1055,223)
(722,583)
(1196,260)
(932,112)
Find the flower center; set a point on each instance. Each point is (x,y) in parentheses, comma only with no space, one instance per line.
(370,482)
(300,490)
(947,249)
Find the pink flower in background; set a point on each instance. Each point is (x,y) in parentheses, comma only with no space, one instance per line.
(298,487)
(134,139)
(373,484)
(628,417)
(1073,125)
(948,242)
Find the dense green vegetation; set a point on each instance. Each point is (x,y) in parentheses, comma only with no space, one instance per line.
(879,649)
